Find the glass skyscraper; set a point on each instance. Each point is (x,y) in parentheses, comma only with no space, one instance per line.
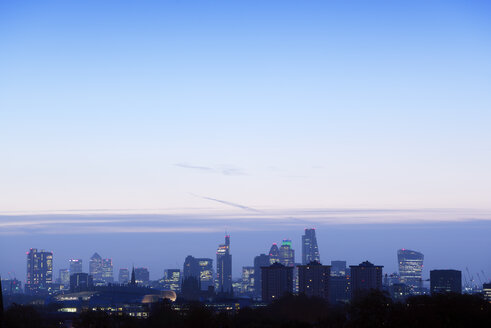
(287,254)
(274,254)
(310,250)
(224,267)
(95,267)
(75,266)
(107,270)
(410,267)
(205,267)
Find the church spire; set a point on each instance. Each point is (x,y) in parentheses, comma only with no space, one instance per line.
(133,280)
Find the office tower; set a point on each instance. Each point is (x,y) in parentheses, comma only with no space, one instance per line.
(75,266)
(142,276)
(274,254)
(205,269)
(339,289)
(124,276)
(64,275)
(107,270)
(80,282)
(224,267)
(445,281)
(287,254)
(11,286)
(172,279)
(410,267)
(277,280)
(190,268)
(95,267)
(365,277)
(247,285)
(259,262)
(338,268)
(310,250)
(313,280)
(39,269)
(486,289)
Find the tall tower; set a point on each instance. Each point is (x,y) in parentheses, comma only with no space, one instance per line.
(75,266)
(410,267)
(95,267)
(310,251)
(224,267)
(274,254)
(287,254)
(39,269)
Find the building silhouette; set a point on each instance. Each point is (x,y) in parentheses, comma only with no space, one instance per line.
(365,277)
(205,273)
(172,280)
(259,262)
(410,267)
(64,276)
(80,282)
(287,254)
(338,268)
(310,250)
(39,270)
(274,254)
(445,281)
(486,289)
(224,267)
(277,280)
(142,276)
(313,280)
(95,267)
(75,266)
(124,276)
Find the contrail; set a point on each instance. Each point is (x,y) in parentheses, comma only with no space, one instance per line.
(246,208)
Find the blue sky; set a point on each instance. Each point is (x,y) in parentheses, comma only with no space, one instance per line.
(279,106)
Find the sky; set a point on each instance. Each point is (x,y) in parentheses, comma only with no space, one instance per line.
(225,110)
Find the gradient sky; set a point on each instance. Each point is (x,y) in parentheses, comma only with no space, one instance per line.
(179,107)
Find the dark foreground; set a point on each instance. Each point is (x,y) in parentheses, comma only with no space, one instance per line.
(372,310)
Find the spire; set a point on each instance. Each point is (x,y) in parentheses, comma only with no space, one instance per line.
(133,280)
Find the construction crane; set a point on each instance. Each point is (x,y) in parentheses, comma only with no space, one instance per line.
(484,275)
(479,277)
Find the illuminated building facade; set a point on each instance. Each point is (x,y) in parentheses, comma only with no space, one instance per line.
(39,269)
(224,267)
(310,250)
(11,286)
(410,267)
(75,266)
(365,277)
(247,281)
(274,254)
(313,280)
(277,280)
(259,262)
(287,254)
(486,289)
(107,271)
(205,271)
(124,276)
(95,267)
(172,279)
(445,281)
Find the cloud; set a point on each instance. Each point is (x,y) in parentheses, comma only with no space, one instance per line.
(223,169)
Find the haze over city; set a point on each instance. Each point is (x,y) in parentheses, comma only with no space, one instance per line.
(146,131)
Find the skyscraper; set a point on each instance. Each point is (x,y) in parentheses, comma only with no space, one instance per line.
(410,267)
(287,254)
(64,275)
(277,280)
(205,269)
(107,271)
(248,280)
(142,276)
(364,277)
(313,279)
(274,254)
(75,266)
(172,279)
(338,268)
(310,250)
(124,276)
(259,262)
(95,267)
(39,269)
(224,267)
(190,268)
(445,281)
